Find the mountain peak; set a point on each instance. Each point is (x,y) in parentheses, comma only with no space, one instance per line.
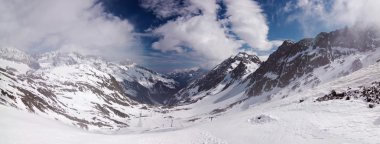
(127,62)
(230,73)
(17,55)
(13,54)
(288,42)
(242,54)
(329,52)
(245,57)
(57,58)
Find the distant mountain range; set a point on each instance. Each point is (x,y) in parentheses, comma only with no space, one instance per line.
(93,93)
(82,89)
(184,77)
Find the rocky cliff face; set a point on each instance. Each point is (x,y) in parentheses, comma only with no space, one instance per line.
(231,71)
(312,61)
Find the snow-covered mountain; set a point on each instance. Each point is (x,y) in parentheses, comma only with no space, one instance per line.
(141,84)
(86,91)
(318,90)
(227,74)
(295,67)
(186,76)
(295,119)
(12,54)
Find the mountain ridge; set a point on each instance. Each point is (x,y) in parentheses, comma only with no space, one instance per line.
(229,72)
(295,60)
(87,92)
(95,94)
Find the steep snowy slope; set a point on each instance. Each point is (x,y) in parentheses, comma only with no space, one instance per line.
(295,67)
(141,84)
(12,54)
(286,120)
(291,70)
(84,91)
(226,75)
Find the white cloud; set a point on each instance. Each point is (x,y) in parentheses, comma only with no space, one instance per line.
(314,14)
(276,43)
(168,8)
(186,69)
(67,25)
(249,23)
(201,36)
(204,35)
(356,12)
(288,7)
(309,14)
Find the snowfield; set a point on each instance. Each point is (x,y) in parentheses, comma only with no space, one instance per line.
(296,119)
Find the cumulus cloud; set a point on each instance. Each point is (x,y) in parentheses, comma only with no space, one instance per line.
(312,14)
(249,23)
(202,34)
(355,12)
(198,31)
(168,8)
(66,25)
(171,8)
(276,43)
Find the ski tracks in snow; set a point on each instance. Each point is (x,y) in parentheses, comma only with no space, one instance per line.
(205,137)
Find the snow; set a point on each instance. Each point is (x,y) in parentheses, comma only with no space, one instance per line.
(192,90)
(10,53)
(20,68)
(283,121)
(125,71)
(77,85)
(271,75)
(260,119)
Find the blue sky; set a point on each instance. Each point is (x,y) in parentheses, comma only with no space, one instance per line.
(279,29)
(278,19)
(165,35)
(143,19)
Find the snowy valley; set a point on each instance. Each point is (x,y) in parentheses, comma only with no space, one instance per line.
(317,90)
